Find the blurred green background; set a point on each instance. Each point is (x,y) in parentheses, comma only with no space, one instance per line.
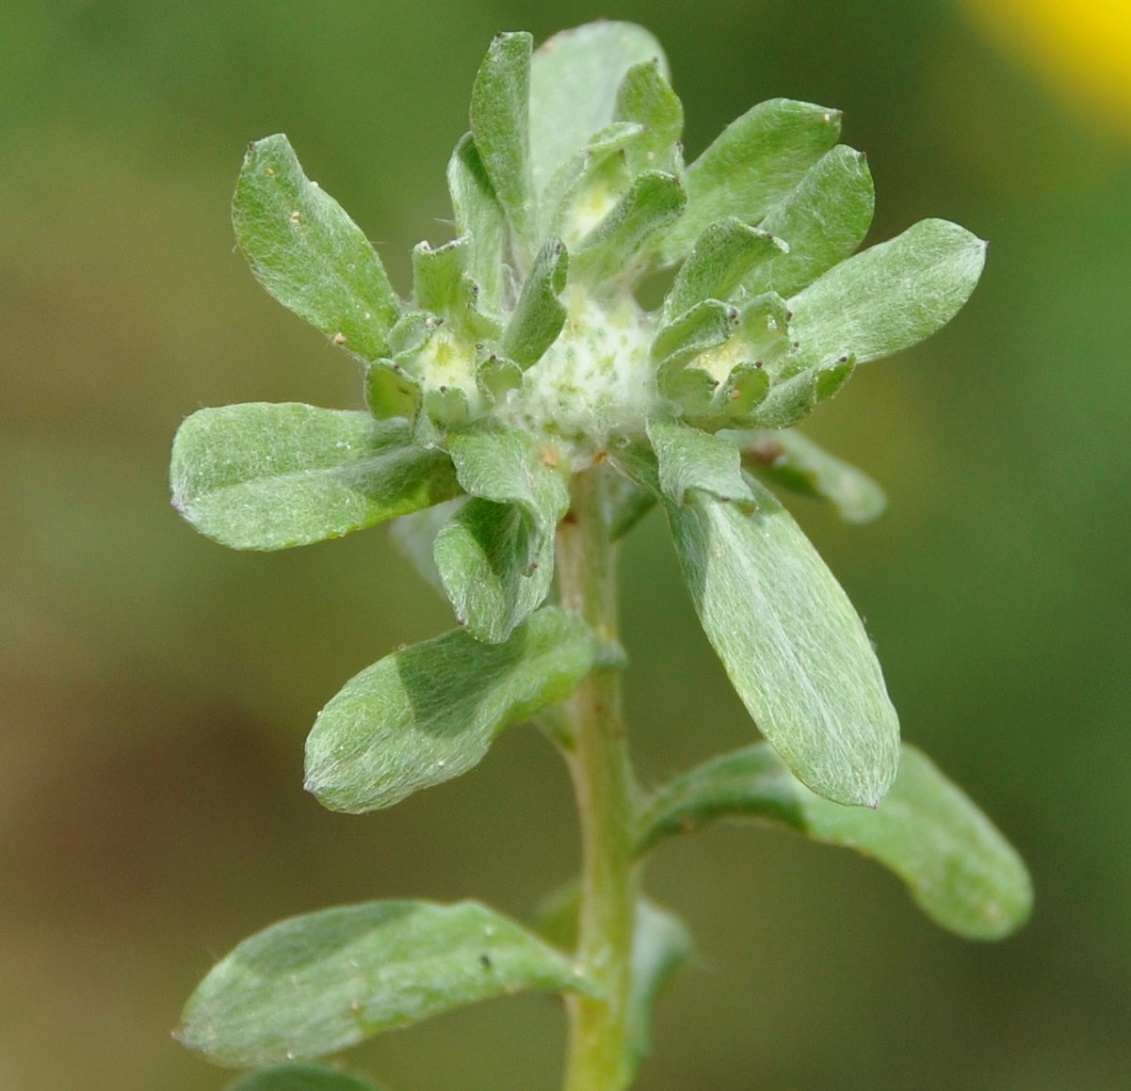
(156,689)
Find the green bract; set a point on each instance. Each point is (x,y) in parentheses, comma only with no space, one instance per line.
(524,410)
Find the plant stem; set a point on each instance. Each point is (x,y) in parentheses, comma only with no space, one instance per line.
(597,1056)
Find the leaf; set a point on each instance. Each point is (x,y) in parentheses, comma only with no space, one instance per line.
(539,315)
(661,944)
(267,476)
(889,297)
(726,251)
(791,643)
(959,869)
(823,220)
(495,568)
(646,98)
(441,286)
(320,983)
(305,250)
(575,78)
(752,165)
(707,325)
(691,459)
(479,218)
(791,400)
(795,462)
(496,557)
(614,247)
(500,126)
(300,1077)
(430,712)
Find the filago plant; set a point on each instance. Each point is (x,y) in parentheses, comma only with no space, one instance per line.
(524,411)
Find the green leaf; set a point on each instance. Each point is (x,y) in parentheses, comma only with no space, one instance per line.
(661,944)
(613,249)
(300,1077)
(726,251)
(791,400)
(575,80)
(495,567)
(959,869)
(823,220)
(752,165)
(791,643)
(889,297)
(266,476)
(691,459)
(794,462)
(323,982)
(645,97)
(442,286)
(496,557)
(500,126)
(430,712)
(479,218)
(539,314)
(706,326)
(308,253)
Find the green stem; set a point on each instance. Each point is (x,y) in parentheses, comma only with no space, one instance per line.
(598,1048)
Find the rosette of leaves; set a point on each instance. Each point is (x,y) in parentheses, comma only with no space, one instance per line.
(521,358)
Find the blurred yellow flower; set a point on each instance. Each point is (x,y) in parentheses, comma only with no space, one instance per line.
(1081,49)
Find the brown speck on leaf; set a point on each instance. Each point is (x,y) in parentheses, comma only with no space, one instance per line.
(764,451)
(550,457)
(339,338)
(296,217)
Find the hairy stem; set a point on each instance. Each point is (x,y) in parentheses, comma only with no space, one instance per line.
(597,1053)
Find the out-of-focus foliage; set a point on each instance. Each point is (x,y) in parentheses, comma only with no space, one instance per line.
(155,689)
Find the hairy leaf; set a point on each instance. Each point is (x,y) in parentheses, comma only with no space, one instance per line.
(888,297)
(320,983)
(428,713)
(308,253)
(479,218)
(959,869)
(270,476)
(300,1077)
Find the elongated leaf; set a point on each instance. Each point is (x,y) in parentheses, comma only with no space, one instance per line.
(889,297)
(823,220)
(539,314)
(614,247)
(308,253)
(661,944)
(959,869)
(300,1077)
(791,643)
(722,256)
(428,713)
(480,218)
(323,982)
(574,82)
(266,476)
(795,462)
(752,165)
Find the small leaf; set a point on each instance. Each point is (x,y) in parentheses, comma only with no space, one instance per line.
(794,462)
(265,476)
(691,459)
(660,945)
(646,98)
(480,218)
(441,285)
(539,314)
(308,253)
(752,165)
(959,869)
(323,982)
(706,326)
(575,78)
(500,126)
(791,400)
(428,713)
(722,256)
(613,249)
(495,567)
(823,220)
(300,1077)
(791,643)
(889,297)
